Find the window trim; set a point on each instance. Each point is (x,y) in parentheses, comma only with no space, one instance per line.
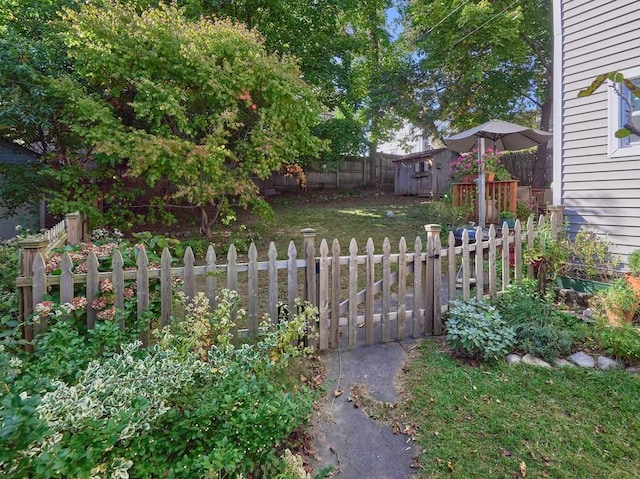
(615,147)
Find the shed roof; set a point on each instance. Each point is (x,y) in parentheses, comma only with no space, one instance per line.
(420,156)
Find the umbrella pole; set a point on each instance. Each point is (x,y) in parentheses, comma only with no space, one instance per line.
(482,202)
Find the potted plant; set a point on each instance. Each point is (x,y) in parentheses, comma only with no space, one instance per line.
(509,218)
(620,302)
(524,210)
(633,276)
(465,167)
(590,265)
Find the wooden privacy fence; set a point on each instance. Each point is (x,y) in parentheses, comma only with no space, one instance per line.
(361,298)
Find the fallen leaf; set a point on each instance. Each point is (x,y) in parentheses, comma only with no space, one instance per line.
(439,461)
(523,469)
(506,453)
(303,379)
(450,466)
(436,433)
(337,393)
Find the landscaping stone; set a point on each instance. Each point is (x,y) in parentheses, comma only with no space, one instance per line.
(606,363)
(533,361)
(633,370)
(513,359)
(582,359)
(562,363)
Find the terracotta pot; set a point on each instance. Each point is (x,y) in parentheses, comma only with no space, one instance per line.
(490,176)
(468,178)
(634,282)
(616,318)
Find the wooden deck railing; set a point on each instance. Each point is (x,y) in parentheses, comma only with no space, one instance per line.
(499,196)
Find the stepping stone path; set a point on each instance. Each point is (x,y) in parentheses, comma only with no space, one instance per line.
(579,359)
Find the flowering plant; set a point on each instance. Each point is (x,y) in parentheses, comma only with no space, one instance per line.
(467,163)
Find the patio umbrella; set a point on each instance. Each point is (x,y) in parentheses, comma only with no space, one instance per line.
(505,136)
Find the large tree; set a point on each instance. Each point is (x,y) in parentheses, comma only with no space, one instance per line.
(481,60)
(199,104)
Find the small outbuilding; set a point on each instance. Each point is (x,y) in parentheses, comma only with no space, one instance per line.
(424,174)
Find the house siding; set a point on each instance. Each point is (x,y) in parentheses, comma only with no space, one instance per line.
(596,189)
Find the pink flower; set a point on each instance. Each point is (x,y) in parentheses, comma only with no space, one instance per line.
(106,286)
(79,302)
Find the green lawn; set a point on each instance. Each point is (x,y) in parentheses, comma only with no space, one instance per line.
(343,215)
(493,421)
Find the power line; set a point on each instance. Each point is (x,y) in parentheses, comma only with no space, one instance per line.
(484,24)
(447,16)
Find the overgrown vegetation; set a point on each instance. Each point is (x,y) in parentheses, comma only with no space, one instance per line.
(195,404)
(541,329)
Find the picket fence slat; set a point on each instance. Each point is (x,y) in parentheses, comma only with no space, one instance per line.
(323,296)
(252,294)
(335,294)
(353,292)
(417,288)
(189,274)
(273,282)
(93,287)
(386,290)
(369,295)
(117,263)
(166,283)
(402,290)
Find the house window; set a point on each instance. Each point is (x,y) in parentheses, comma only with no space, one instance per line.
(624,107)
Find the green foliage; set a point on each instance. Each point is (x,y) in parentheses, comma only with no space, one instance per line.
(618,83)
(192,405)
(541,330)
(634,263)
(619,298)
(622,341)
(481,60)
(589,256)
(205,108)
(475,329)
(524,210)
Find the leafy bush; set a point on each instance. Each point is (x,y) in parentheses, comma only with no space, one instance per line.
(544,341)
(622,341)
(192,405)
(475,329)
(541,330)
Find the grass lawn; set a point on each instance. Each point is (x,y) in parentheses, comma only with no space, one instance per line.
(343,215)
(501,421)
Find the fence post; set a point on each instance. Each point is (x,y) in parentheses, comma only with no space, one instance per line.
(556,212)
(309,252)
(29,248)
(74,227)
(434,279)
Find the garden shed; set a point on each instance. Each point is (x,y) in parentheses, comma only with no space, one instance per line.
(29,216)
(424,174)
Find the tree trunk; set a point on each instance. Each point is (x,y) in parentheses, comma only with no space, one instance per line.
(206,223)
(538,177)
(373,157)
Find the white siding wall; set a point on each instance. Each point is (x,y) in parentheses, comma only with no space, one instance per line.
(597,37)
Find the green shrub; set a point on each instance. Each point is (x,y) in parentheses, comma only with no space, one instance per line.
(544,341)
(475,329)
(541,330)
(192,405)
(623,341)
